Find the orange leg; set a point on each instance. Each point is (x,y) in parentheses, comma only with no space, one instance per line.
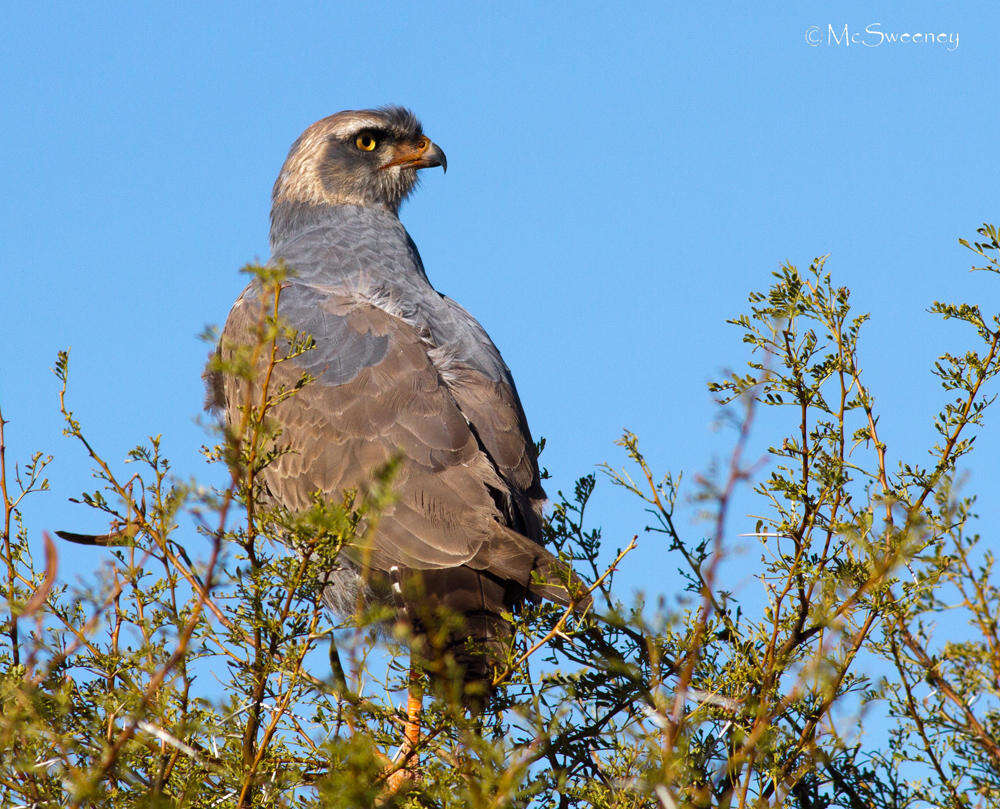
(414,705)
(411,732)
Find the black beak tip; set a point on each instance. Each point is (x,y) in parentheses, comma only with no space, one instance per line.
(435,157)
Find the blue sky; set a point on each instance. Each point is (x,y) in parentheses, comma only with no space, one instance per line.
(619,180)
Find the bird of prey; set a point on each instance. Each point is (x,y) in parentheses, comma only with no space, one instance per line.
(400,370)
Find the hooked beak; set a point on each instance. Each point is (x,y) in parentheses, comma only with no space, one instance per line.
(420,155)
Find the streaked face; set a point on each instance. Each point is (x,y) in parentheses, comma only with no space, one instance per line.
(367,158)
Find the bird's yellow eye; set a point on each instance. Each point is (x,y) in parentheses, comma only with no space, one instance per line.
(422,143)
(365,142)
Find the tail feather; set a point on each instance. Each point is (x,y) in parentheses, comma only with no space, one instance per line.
(515,557)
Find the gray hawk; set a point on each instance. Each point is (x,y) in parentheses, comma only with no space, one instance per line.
(399,368)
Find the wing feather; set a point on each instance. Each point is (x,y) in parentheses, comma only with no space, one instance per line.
(377,393)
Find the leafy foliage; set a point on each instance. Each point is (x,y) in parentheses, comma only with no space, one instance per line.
(200,667)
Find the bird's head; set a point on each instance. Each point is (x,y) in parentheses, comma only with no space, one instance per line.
(357,157)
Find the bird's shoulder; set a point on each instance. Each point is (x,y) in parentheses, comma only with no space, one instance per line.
(345,244)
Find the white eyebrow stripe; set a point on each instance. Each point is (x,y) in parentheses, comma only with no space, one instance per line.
(352,125)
